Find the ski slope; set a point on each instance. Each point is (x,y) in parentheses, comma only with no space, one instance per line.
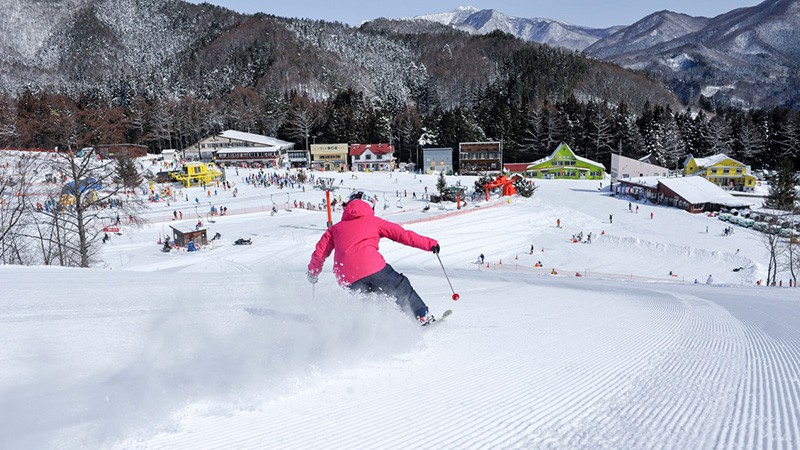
(230,347)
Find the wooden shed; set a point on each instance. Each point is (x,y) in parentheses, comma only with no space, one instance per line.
(182,238)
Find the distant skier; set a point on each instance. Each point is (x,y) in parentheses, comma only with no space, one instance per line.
(610,218)
(710,280)
(481,258)
(357,263)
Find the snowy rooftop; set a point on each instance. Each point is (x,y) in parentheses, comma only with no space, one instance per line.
(255,138)
(699,190)
(643,181)
(224,151)
(695,190)
(715,159)
(578,158)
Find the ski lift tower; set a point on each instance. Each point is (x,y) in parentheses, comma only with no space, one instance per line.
(327,185)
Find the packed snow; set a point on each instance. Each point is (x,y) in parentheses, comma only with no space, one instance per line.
(610,344)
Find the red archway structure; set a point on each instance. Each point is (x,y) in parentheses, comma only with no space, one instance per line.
(507,184)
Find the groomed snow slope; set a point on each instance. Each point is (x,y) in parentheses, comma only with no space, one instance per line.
(230,347)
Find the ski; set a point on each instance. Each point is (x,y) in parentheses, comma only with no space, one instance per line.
(444,316)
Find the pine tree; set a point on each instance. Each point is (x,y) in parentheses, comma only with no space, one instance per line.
(441,184)
(782,189)
(127,173)
(524,187)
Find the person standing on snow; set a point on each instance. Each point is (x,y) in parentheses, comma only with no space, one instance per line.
(357,263)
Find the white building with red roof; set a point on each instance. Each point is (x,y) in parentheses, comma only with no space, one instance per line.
(372,157)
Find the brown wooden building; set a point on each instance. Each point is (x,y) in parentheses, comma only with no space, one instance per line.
(476,158)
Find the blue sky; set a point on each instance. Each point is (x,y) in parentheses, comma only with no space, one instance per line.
(591,13)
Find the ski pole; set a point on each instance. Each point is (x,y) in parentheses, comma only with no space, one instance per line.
(455,296)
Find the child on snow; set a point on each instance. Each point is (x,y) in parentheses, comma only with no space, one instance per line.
(357,263)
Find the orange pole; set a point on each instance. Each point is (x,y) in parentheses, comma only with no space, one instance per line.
(328,201)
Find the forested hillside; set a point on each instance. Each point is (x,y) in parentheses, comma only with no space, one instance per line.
(166,73)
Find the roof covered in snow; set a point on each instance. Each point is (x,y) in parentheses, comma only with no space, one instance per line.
(577,158)
(259,139)
(697,190)
(715,159)
(693,189)
(229,150)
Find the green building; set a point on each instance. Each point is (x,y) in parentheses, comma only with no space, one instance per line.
(564,163)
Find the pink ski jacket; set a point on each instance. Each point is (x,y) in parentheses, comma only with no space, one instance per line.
(355,239)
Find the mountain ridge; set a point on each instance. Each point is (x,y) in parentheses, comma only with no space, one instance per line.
(540,30)
(745,57)
(753,49)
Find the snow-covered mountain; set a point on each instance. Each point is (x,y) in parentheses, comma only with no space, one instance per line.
(748,56)
(657,28)
(541,30)
(125,49)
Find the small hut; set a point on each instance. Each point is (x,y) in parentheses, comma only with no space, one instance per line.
(182,238)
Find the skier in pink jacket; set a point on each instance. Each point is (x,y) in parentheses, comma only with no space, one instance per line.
(357,263)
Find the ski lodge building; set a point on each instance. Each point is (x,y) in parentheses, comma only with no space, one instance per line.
(563,163)
(437,160)
(233,146)
(723,171)
(475,158)
(329,157)
(693,194)
(624,168)
(372,157)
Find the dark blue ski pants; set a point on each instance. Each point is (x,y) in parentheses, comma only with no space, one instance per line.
(393,284)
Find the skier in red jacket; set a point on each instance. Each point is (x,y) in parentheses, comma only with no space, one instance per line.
(357,263)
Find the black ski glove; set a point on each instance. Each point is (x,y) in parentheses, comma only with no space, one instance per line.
(312,278)
(435,249)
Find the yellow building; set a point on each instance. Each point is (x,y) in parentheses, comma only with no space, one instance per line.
(721,170)
(197,172)
(329,156)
